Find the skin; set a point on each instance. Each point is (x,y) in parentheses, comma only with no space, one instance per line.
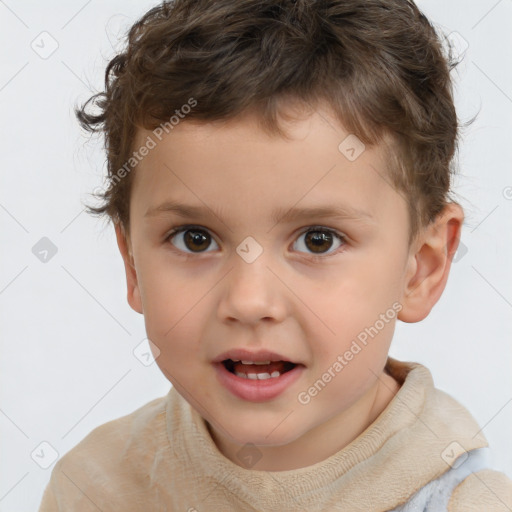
(199,302)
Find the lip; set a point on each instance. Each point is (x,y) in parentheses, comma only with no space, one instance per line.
(241,354)
(257,390)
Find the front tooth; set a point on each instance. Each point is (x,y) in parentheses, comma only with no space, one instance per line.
(253,362)
(259,376)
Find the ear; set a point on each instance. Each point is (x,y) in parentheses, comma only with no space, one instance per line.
(429,263)
(124,244)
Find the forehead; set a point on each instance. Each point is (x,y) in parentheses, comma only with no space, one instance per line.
(235,167)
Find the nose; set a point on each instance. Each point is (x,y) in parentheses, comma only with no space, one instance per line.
(252,292)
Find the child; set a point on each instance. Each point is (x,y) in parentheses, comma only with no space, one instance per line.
(241,137)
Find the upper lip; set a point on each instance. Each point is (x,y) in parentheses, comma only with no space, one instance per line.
(240,354)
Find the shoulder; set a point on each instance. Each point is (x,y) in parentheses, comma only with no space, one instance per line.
(487,490)
(114,459)
(139,432)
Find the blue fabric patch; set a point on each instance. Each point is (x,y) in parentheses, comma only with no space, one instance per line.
(434,496)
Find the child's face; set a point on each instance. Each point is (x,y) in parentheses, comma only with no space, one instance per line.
(202,295)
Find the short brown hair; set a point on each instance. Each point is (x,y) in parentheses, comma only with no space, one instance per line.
(379,64)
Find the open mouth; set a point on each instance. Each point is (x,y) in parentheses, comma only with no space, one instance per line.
(260,370)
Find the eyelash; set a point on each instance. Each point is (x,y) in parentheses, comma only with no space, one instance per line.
(312,257)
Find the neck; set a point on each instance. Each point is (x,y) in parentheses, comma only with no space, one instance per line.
(322,441)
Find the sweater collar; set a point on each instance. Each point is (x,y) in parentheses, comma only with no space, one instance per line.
(406,440)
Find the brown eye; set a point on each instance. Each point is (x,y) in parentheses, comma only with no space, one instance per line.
(196,240)
(191,240)
(319,241)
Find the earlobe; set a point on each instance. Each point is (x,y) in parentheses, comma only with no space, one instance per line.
(133,291)
(429,264)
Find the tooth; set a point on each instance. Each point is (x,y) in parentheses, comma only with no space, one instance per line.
(255,362)
(235,360)
(247,362)
(258,376)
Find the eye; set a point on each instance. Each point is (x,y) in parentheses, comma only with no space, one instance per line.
(319,240)
(191,239)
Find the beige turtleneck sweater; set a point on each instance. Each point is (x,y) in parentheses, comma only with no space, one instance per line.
(161,458)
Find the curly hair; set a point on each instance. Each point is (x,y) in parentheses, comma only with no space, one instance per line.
(379,65)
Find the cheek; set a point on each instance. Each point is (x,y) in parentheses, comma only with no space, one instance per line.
(355,313)
(354,296)
(374,280)
(172,305)
(164,287)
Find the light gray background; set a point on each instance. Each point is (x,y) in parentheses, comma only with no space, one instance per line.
(68,335)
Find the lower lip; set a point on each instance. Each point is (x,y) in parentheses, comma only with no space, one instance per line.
(254,390)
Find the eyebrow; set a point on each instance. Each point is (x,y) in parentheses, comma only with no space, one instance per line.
(278,216)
